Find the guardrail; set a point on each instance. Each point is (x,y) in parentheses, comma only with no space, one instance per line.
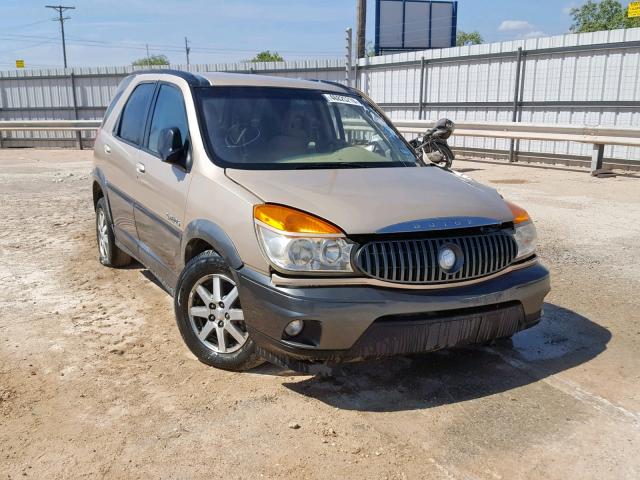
(76,125)
(597,136)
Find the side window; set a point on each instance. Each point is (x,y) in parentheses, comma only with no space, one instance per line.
(134,113)
(357,130)
(119,91)
(169,112)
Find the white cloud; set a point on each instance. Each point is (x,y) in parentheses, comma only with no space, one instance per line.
(533,34)
(520,29)
(515,25)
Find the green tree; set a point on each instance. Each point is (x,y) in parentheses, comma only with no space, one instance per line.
(466,38)
(267,56)
(151,60)
(604,15)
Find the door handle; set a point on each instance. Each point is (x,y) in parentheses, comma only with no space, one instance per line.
(140,167)
(107,149)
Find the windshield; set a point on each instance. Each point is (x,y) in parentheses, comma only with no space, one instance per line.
(286,128)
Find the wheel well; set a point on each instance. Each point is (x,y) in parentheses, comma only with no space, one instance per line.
(195,247)
(97,194)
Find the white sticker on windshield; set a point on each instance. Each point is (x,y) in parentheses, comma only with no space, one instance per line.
(334,98)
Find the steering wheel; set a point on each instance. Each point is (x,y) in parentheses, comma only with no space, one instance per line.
(241,135)
(374,146)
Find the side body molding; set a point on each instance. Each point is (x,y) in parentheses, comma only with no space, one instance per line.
(216,237)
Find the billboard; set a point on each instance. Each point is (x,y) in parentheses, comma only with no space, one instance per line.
(414,25)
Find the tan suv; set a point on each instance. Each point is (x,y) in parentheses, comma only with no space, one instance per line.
(292,222)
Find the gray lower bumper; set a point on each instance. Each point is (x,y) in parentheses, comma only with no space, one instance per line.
(340,321)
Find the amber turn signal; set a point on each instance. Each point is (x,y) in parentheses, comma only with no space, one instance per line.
(520,215)
(291,220)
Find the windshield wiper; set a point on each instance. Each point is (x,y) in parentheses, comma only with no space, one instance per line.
(329,165)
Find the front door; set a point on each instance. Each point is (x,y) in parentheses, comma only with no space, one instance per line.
(160,205)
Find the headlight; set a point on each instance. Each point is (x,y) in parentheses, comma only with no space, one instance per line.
(526,239)
(525,235)
(296,241)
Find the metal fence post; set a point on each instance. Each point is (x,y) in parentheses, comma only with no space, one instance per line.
(1,103)
(516,98)
(421,103)
(356,77)
(75,108)
(597,156)
(523,71)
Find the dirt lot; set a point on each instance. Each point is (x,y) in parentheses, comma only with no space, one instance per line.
(96,382)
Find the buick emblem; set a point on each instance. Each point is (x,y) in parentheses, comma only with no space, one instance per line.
(446,259)
(450,258)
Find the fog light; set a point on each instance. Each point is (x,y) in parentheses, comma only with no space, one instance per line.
(294,328)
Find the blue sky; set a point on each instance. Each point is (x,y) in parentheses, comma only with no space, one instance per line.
(103,32)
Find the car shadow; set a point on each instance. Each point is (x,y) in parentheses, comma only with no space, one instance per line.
(562,340)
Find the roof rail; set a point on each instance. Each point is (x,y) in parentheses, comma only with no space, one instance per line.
(191,78)
(335,84)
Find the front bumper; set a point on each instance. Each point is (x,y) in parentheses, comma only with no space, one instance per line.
(349,323)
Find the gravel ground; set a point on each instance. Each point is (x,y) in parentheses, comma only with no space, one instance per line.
(96,382)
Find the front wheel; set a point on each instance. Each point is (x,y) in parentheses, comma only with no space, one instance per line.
(210,316)
(446,152)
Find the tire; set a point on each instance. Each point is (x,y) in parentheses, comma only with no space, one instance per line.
(446,151)
(216,336)
(109,253)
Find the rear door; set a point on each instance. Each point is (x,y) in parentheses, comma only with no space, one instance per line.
(122,153)
(159,209)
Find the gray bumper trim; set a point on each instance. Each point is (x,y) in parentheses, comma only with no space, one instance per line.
(345,313)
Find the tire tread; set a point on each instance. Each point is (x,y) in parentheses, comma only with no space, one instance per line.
(204,263)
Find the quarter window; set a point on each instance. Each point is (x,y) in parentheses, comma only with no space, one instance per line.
(135,113)
(169,112)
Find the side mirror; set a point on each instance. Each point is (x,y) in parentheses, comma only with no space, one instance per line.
(171,147)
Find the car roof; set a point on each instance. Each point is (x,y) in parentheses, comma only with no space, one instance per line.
(215,79)
(252,80)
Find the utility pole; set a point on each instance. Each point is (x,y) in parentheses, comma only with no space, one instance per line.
(348,55)
(61,19)
(148,59)
(187,49)
(361,28)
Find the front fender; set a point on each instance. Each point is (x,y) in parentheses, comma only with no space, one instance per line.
(216,237)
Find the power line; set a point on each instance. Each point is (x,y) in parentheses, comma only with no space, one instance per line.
(60,9)
(18,27)
(156,47)
(25,47)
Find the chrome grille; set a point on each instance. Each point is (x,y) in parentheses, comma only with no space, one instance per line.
(416,261)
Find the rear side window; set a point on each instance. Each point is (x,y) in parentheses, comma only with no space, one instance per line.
(169,112)
(135,112)
(119,91)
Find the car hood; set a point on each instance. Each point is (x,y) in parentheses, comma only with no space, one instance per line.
(369,200)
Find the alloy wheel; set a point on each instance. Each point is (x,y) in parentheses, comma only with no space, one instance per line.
(215,314)
(103,237)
